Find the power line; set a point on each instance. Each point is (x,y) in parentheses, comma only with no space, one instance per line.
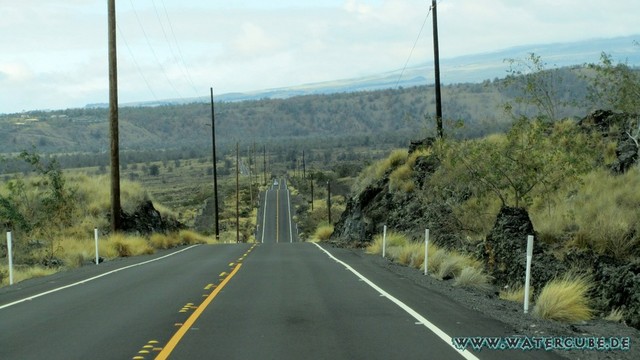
(413,48)
(153,51)
(136,63)
(173,33)
(166,38)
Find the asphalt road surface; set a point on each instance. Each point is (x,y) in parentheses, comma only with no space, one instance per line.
(272,300)
(275,224)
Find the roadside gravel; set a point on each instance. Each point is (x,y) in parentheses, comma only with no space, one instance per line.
(512,314)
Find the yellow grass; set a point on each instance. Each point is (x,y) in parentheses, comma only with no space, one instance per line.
(21,273)
(515,294)
(401,179)
(322,233)
(472,277)
(565,299)
(394,239)
(603,215)
(378,169)
(189,237)
(451,266)
(616,315)
(121,245)
(466,270)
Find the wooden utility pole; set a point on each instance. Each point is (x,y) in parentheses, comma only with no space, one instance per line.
(436,62)
(237,192)
(311,193)
(215,172)
(250,177)
(304,167)
(329,200)
(116,208)
(264,166)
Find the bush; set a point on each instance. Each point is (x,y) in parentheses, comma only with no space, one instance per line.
(565,299)
(322,233)
(473,277)
(188,237)
(394,239)
(516,294)
(126,245)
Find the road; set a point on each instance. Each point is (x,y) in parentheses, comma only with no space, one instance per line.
(272,300)
(275,224)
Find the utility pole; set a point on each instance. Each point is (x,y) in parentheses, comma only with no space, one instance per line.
(436,62)
(237,192)
(215,172)
(250,176)
(116,208)
(329,200)
(264,166)
(311,193)
(304,167)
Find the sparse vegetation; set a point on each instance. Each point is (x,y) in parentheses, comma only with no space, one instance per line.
(516,293)
(322,233)
(443,264)
(565,299)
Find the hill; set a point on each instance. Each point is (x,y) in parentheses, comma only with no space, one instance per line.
(389,116)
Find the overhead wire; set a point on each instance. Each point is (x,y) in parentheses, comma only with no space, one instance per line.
(415,43)
(164,72)
(175,39)
(135,62)
(182,66)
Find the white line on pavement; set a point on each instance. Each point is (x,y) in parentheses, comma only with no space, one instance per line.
(91,279)
(421,319)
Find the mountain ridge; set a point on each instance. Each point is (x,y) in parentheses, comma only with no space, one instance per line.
(472,68)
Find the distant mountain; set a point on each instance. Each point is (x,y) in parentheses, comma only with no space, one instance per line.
(464,69)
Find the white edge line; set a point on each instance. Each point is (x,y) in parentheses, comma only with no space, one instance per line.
(290,218)
(421,319)
(91,279)
(264,214)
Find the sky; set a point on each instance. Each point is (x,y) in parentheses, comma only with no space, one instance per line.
(53,54)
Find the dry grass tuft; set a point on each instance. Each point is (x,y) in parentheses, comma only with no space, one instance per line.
(451,266)
(394,239)
(163,241)
(602,215)
(473,277)
(515,294)
(378,169)
(401,179)
(188,237)
(565,299)
(322,233)
(21,273)
(129,245)
(616,315)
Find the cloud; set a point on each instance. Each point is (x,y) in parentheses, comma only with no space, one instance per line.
(255,44)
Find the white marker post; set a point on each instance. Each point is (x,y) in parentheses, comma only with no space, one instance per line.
(384,240)
(426,250)
(10,256)
(95,235)
(527,278)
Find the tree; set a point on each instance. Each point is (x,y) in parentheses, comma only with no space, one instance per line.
(534,158)
(615,86)
(154,170)
(535,86)
(39,213)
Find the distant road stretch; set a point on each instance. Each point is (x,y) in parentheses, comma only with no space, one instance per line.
(275,224)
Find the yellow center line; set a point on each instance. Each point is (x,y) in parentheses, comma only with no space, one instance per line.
(175,339)
(277,213)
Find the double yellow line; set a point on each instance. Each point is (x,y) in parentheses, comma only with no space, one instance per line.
(175,339)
